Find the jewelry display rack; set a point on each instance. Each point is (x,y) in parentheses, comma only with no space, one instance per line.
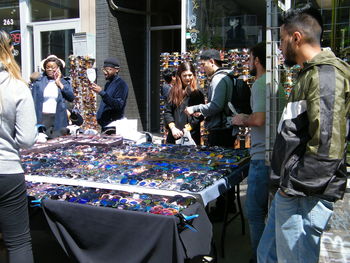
(85,97)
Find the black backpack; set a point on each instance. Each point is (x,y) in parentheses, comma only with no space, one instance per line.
(240,98)
(241,95)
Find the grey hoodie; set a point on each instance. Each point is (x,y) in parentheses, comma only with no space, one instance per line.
(219,94)
(17,122)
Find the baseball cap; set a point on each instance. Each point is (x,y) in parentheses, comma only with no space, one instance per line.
(210,54)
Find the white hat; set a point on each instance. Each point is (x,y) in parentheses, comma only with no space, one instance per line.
(51,56)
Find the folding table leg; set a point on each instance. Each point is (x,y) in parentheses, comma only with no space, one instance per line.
(227,221)
(238,198)
(224,225)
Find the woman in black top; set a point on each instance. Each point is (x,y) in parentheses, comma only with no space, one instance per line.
(184,93)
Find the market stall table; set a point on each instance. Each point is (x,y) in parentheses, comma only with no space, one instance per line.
(69,221)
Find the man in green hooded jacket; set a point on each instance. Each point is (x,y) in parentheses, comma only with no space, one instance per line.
(308,162)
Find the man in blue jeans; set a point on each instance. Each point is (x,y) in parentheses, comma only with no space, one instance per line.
(258,177)
(308,161)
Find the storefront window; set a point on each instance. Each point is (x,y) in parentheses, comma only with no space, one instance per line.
(58,42)
(47,10)
(224,24)
(9,16)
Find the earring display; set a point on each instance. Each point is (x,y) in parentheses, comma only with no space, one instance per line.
(85,97)
(145,166)
(154,204)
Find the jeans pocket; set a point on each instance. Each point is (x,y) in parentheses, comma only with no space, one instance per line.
(320,215)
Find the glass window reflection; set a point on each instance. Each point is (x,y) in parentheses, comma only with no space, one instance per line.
(9,18)
(47,10)
(224,24)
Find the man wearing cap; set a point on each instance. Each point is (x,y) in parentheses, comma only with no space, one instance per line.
(114,95)
(219,94)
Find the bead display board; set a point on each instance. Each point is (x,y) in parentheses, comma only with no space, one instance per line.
(85,97)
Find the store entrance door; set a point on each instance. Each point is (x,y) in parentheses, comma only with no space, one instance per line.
(53,39)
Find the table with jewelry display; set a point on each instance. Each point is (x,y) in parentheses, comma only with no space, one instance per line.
(77,180)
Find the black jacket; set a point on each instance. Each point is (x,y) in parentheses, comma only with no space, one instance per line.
(113,101)
(309,151)
(177,115)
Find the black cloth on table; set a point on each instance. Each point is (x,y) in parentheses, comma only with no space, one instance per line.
(101,234)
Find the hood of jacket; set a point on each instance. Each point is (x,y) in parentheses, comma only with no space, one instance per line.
(328,57)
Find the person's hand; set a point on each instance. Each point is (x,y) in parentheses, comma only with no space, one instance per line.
(197,114)
(238,119)
(189,110)
(57,76)
(176,133)
(96,88)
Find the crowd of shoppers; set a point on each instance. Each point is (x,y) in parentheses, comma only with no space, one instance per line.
(308,168)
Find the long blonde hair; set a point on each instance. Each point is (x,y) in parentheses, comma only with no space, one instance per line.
(6,58)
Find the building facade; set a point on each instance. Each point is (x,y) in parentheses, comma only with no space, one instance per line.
(138,31)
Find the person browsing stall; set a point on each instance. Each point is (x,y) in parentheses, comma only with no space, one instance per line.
(184,93)
(169,76)
(50,93)
(308,160)
(114,95)
(17,121)
(219,93)
(258,176)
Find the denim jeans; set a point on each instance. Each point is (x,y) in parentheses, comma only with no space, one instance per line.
(14,219)
(257,200)
(294,229)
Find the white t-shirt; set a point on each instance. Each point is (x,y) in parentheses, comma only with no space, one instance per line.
(50,97)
